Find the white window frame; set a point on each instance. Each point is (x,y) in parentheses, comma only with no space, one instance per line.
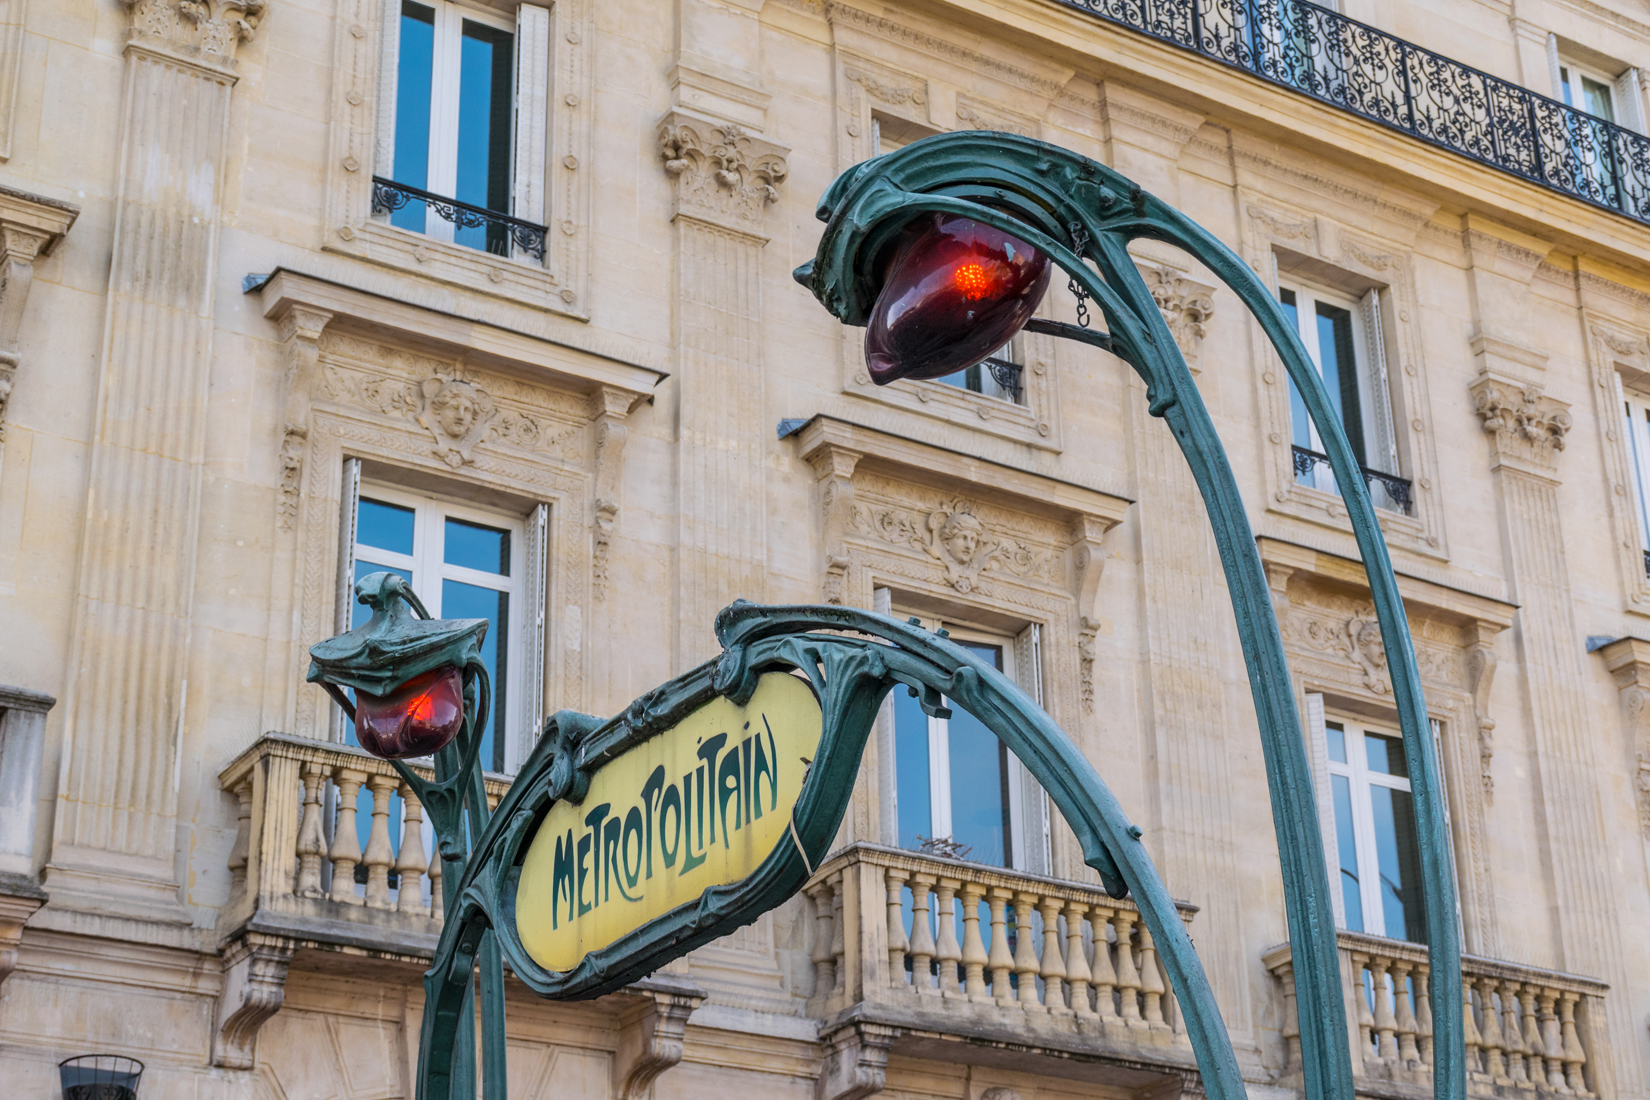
(1635,408)
(523,649)
(1027,801)
(1360,779)
(530,105)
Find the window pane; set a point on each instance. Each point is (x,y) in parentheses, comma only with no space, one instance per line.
(476,547)
(1386,755)
(971,379)
(1352,898)
(979,794)
(1598,99)
(1301,427)
(484,117)
(412,108)
(468,601)
(911,770)
(386,526)
(1400,864)
(1340,372)
(1564,83)
(1336,738)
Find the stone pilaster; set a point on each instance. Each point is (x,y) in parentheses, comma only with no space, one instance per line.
(724,180)
(1527,432)
(115,836)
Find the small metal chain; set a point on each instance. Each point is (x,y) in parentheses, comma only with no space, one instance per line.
(1080,243)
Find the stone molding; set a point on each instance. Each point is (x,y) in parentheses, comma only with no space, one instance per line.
(1187,307)
(254,987)
(723,174)
(651,1036)
(1628,660)
(856,1061)
(1619,354)
(1526,428)
(30,228)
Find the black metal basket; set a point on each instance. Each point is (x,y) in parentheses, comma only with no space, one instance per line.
(100,1077)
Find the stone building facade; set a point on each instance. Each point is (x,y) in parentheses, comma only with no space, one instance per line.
(244,357)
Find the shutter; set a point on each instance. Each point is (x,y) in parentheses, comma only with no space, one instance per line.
(1031,820)
(1317,746)
(1553,67)
(349,498)
(882,602)
(1384,455)
(1449,838)
(389,71)
(532,112)
(530,697)
(1629,101)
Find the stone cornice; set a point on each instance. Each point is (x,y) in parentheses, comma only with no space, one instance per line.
(1046,86)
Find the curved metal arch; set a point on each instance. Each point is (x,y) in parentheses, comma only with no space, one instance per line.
(1079,211)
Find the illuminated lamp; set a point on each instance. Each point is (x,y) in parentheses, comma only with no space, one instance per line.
(955,291)
(419,718)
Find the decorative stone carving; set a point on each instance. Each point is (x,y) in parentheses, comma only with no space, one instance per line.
(213,27)
(1088,556)
(1481,662)
(999,1092)
(887,91)
(1526,426)
(300,330)
(254,986)
(30,227)
(1186,305)
(650,1039)
(457,414)
(955,537)
(976,116)
(608,409)
(722,173)
(856,1061)
(834,469)
(1628,660)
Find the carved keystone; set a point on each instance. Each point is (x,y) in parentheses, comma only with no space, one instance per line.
(856,1061)
(254,985)
(650,1040)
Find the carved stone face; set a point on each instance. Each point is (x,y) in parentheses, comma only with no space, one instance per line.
(962,534)
(455,411)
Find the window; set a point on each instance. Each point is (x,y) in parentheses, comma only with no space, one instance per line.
(468,91)
(464,564)
(958,790)
(1588,90)
(1343,338)
(1371,834)
(1635,409)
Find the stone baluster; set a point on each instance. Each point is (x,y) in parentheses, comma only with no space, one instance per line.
(1534,1061)
(974,958)
(1053,966)
(1366,1020)
(1423,1014)
(1128,978)
(1151,981)
(238,855)
(379,854)
(999,960)
(409,866)
(894,879)
(1469,1029)
(1291,1017)
(1025,955)
(1386,1024)
(1552,1039)
(948,952)
(345,852)
(922,935)
(838,934)
(1409,1053)
(1077,963)
(824,961)
(312,841)
(1575,1056)
(438,909)
(1512,1033)
(1489,1031)
(1102,974)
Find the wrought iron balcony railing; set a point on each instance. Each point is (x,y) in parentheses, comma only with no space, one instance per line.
(1390,490)
(1398,84)
(503,231)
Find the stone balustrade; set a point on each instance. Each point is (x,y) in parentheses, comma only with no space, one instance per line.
(1527,1029)
(299,868)
(943,947)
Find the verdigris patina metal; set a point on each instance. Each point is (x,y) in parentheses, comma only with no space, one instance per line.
(1080,212)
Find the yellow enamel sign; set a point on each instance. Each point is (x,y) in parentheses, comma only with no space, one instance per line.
(700,805)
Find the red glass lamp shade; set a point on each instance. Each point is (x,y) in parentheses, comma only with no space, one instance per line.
(419,718)
(956,291)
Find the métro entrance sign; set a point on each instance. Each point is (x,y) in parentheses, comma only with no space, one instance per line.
(627,842)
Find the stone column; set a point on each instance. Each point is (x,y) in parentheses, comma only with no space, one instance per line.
(724,180)
(114,842)
(1527,431)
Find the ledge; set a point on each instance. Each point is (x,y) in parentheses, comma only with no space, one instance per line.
(1427,598)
